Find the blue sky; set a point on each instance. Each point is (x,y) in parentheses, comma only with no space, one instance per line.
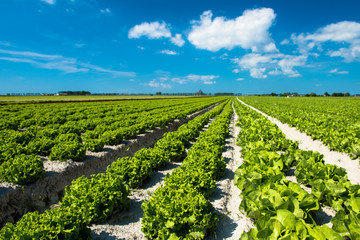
(242,46)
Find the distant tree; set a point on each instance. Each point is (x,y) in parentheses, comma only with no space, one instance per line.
(326,94)
(338,94)
(295,94)
(158,93)
(307,95)
(313,94)
(347,94)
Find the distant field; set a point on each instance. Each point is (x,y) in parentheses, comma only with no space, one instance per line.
(76,98)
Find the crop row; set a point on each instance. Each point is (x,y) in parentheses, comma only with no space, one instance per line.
(180,209)
(336,122)
(92,200)
(280,209)
(20,150)
(329,185)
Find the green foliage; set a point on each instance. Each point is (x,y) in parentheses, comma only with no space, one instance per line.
(181,213)
(179,210)
(64,131)
(53,224)
(265,191)
(64,151)
(334,121)
(94,144)
(157,158)
(131,170)
(41,146)
(23,169)
(96,197)
(173,147)
(196,178)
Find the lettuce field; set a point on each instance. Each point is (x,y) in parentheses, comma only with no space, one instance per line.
(74,170)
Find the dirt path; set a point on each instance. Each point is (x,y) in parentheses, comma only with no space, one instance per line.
(307,143)
(226,198)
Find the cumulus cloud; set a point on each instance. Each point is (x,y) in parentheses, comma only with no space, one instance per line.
(169,52)
(345,32)
(155,30)
(240,79)
(57,62)
(249,31)
(205,79)
(259,65)
(177,40)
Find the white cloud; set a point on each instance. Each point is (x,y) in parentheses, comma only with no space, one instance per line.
(177,40)
(350,54)
(156,84)
(205,79)
(240,79)
(249,31)
(288,63)
(140,47)
(106,10)
(259,65)
(51,2)
(169,52)
(236,70)
(336,70)
(57,62)
(345,32)
(153,30)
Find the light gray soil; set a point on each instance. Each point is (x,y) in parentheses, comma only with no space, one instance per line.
(226,197)
(16,200)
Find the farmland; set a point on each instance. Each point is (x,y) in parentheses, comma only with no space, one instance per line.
(283,189)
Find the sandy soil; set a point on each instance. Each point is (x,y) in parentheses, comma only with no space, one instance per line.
(226,198)
(306,143)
